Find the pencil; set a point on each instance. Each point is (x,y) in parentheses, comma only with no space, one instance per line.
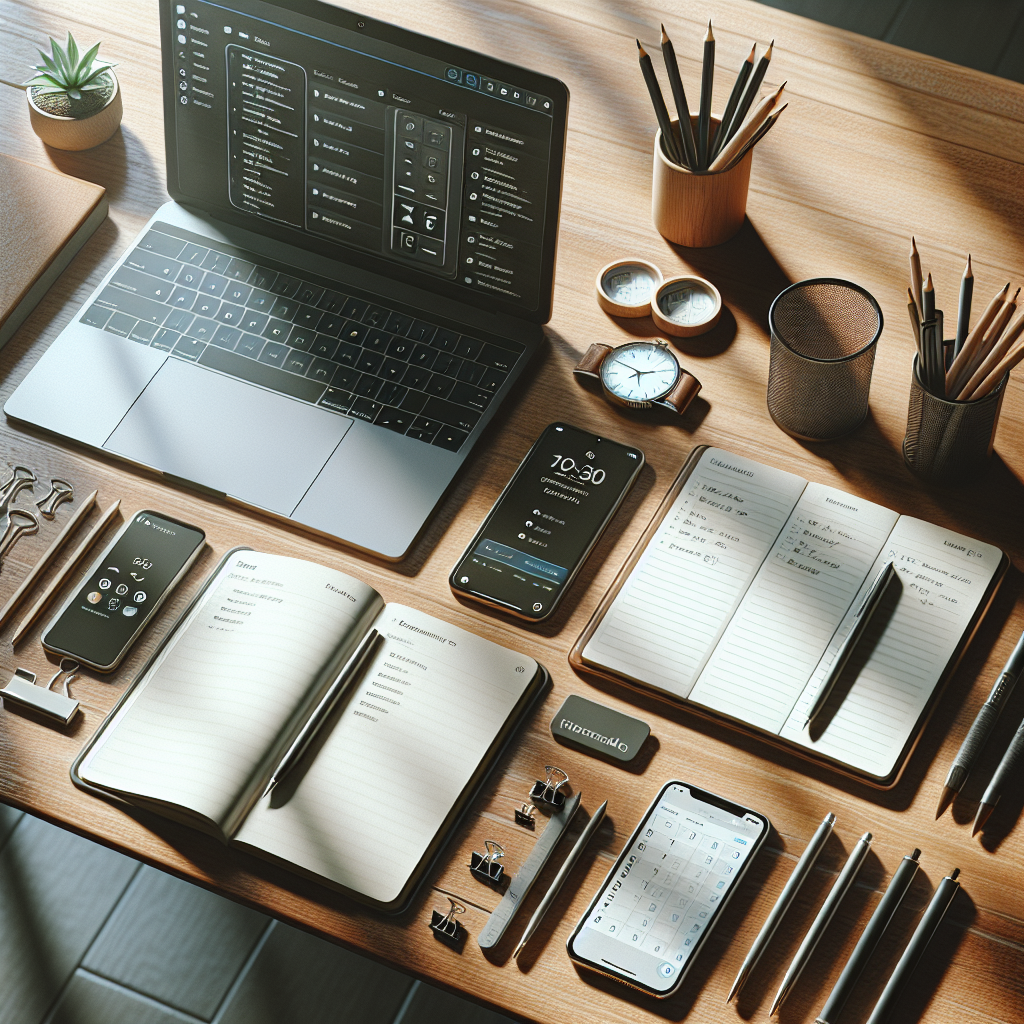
(707,82)
(750,92)
(1007,363)
(964,311)
(734,98)
(915,322)
(956,375)
(668,51)
(915,271)
(733,147)
(668,140)
(989,363)
(988,342)
(758,135)
(928,300)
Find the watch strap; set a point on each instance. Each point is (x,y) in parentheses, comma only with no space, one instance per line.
(685,391)
(590,365)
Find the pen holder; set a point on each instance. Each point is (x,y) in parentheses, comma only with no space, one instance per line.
(949,442)
(698,210)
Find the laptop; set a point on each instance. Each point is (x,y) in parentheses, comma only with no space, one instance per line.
(350,277)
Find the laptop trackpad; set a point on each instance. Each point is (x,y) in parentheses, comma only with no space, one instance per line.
(227,435)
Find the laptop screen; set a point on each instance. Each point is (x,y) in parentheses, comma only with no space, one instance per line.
(375,145)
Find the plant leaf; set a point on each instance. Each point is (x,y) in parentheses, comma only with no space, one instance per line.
(47,83)
(49,65)
(74,94)
(90,56)
(91,77)
(72,53)
(60,58)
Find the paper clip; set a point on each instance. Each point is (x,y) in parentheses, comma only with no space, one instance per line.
(547,792)
(485,866)
(60,491)
(444,926)
(19,523)
(20,478)
(56,707)
(524,816)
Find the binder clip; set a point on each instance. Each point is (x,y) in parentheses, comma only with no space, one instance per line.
(524,816)
(60,491)
(485,866)
(55,707)
(547,792)
(444,926)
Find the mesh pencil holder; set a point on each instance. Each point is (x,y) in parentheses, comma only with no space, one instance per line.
(949,442)
(824,333)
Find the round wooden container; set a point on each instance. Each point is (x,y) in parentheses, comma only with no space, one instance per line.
(700,319)
(610,299)
(698,210)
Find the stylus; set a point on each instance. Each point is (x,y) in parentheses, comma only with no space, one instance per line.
(789,891)
(825,915)
(563,873)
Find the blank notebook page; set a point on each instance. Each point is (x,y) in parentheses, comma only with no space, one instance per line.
(407,743)
(214,704)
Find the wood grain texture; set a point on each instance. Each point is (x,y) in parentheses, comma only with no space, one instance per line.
(877,144)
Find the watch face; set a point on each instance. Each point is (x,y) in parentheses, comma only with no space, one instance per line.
(639,372)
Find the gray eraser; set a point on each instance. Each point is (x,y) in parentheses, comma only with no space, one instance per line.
(598,730)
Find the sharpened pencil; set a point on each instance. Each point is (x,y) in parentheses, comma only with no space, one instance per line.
(689,148)
(660,110)
(964,309)
(758,136)
(991,361)
(750,93)
(957,375)
(915,271)
(707,84)
(734,98)
(1007,363)
(761,113)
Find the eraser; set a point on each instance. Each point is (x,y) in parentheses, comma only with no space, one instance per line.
(596,729)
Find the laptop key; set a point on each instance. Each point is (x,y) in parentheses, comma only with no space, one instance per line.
(261,302)
(365,409)
(336,400)
(423,357)
(136,283)
(369,362)
(179,319)
(254,322)
(400,348)
(202,328)
(492,379)
(391,394)
(345,377)
(165,245)
(330,323)
(189,348)
(262,277)
(307,316)
(165,340)
(142,332)
(447,364)
(324,346)
(285,286)
(376,340)
(393,369)
(450,439)
(414,401)
(298,362)
(250,345)
(332,302)
(439,385)
(153,263)
(216,261)
(421,331)
(354,332)
(445,340)
(121,324)
(205,305)
(277,330)
(183,298)
(451,414)
(134,305)
(284,309)
(95,316)
(213,284)
(322,370)
(302,338)
(399,323)
(470,372)
(416,377)
(194,254)
(468,348)
(424,429)
(394,419)
(239,270)
(375,316)
(274,354)
(226,337)
(260,373)
(238,293)
(497,358)
(367,386)
(354,309)
(189,276)
(229,314)
(310,294)
(347,355)
(466,394)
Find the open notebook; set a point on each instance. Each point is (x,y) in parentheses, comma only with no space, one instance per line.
(370,803)
(740,592)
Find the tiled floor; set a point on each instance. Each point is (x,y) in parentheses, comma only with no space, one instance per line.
(88,936)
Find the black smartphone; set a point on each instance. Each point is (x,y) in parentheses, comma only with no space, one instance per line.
(546,521)
(125,587)
(667,889)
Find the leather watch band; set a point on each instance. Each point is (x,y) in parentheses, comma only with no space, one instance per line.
(683,393)
(590,364)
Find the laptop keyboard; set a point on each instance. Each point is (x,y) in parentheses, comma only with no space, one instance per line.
(350,355)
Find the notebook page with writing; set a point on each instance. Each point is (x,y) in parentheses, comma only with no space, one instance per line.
(215,704)
(793,607)
(671,611)
(398,757)
(944,576)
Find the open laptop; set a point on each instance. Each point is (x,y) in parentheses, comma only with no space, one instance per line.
(350,277)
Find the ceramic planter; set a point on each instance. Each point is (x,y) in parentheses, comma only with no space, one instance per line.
(77,133)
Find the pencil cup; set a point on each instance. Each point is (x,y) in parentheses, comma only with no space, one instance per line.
(949,442)
(824,333)
(698,210)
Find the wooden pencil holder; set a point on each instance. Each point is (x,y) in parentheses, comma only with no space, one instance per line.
(698,210)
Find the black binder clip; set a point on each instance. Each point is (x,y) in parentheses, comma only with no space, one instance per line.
(524,816)
(444,926)
(547,792)
(485,866)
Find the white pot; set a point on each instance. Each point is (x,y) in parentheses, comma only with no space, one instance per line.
(77,133)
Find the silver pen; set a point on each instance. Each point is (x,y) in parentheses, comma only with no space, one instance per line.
(789,891)
(349,671)
(825,915)
(860,622)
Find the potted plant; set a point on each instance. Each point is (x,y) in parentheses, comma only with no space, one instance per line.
(74,100)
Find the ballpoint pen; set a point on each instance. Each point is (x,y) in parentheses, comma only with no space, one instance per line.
(786,897)
(894,893)
(981,728)
(860,622)
(1008,768)
(825,915)
(930,921)
(349,671)
(563,873)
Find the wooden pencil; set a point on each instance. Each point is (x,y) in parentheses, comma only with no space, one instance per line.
(734,98)
(750,92)
(689,148)
(990,361)
(707,84)
(761,113)
(668,138)
(956,376)
(758,135)
(988,342)
(964,310)
(915,271)
(1007,363)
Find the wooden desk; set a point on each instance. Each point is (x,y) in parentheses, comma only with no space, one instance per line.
(877,143)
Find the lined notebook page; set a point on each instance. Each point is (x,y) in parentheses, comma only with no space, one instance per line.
(944,576)
(212,709)
(670,613)
(793,607)
(403,749)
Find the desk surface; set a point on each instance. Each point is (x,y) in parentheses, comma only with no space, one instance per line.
(878,143)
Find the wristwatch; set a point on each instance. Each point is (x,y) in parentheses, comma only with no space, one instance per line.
(639,374)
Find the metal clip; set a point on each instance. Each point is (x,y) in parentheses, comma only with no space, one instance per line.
(445,927)
(56,707)
(19,523)
(547,792)
(525,817)
(20,478)
(60,491)
(485,866)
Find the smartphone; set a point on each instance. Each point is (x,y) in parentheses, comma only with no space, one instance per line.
(546,521)
(124,589)
(667,889)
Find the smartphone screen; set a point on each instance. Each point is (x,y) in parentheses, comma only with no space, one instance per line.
(126,585)
(546,521)
(667,888)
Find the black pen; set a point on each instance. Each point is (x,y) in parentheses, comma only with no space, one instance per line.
(930,921)
(860,623)
(350,670)
(894,893)
(1008,768)
(982,727)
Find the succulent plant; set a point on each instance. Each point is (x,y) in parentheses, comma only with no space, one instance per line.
(69,72)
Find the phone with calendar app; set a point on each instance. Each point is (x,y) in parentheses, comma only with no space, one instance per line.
(668,888)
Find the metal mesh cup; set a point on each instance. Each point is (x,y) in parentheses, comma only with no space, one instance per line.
(824,333)
(949,442)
